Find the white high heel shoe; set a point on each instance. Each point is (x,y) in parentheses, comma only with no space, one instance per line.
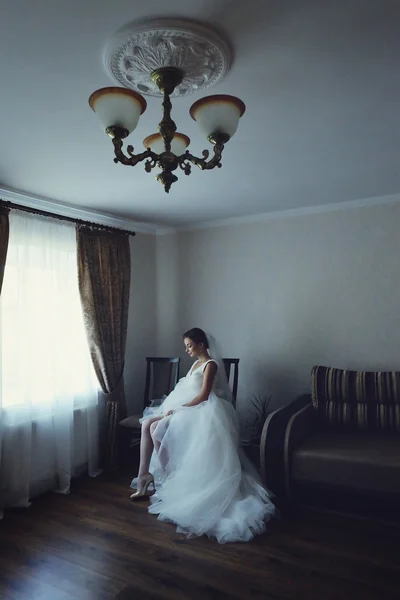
(142,491)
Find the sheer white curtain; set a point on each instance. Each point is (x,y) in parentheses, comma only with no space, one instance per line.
(48,390)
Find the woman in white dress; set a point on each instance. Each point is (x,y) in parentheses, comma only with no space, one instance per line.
(190,451)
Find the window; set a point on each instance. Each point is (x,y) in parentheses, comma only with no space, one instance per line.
(43,348)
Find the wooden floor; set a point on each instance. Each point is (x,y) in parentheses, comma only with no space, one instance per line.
(95,544)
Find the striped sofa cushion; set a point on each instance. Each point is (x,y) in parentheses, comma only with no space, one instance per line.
(357,400)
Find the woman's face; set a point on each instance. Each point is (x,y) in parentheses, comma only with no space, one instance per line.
(193,349)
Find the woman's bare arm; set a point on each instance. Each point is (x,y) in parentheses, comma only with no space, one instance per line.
(208,381)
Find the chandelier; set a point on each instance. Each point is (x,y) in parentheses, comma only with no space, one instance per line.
(189,58)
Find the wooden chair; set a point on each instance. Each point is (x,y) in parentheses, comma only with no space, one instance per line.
(228,364)
(158,385)
(162,374)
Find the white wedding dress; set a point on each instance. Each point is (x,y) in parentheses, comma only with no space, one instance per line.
(204,482)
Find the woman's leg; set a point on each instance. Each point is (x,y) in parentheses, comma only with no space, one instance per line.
(162,454)
(146,446)
(153,428)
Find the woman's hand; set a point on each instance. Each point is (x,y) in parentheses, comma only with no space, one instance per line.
(170,412)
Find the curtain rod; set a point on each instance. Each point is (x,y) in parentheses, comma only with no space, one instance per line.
(45,213)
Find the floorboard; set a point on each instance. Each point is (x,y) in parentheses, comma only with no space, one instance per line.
(95,544)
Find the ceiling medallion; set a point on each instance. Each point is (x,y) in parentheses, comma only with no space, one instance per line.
(168,66)
(138,49)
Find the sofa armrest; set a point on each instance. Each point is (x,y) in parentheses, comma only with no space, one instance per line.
(273,441)
(300,426)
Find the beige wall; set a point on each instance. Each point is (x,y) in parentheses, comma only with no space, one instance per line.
(288,293)
(142,330)
(169,281)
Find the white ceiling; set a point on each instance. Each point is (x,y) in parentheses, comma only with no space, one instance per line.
(320,80)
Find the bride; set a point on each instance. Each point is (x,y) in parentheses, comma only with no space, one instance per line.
(190,450)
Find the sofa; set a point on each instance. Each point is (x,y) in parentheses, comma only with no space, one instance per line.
(345,435)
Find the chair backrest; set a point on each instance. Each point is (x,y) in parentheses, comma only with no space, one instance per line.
(228,364)
(162,374)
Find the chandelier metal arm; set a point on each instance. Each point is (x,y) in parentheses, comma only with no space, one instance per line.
(167,161)
(202,163)
(132,159)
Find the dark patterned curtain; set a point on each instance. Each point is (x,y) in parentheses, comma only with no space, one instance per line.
(104,270)
(4,235)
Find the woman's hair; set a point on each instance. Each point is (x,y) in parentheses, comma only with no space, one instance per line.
(197,336)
